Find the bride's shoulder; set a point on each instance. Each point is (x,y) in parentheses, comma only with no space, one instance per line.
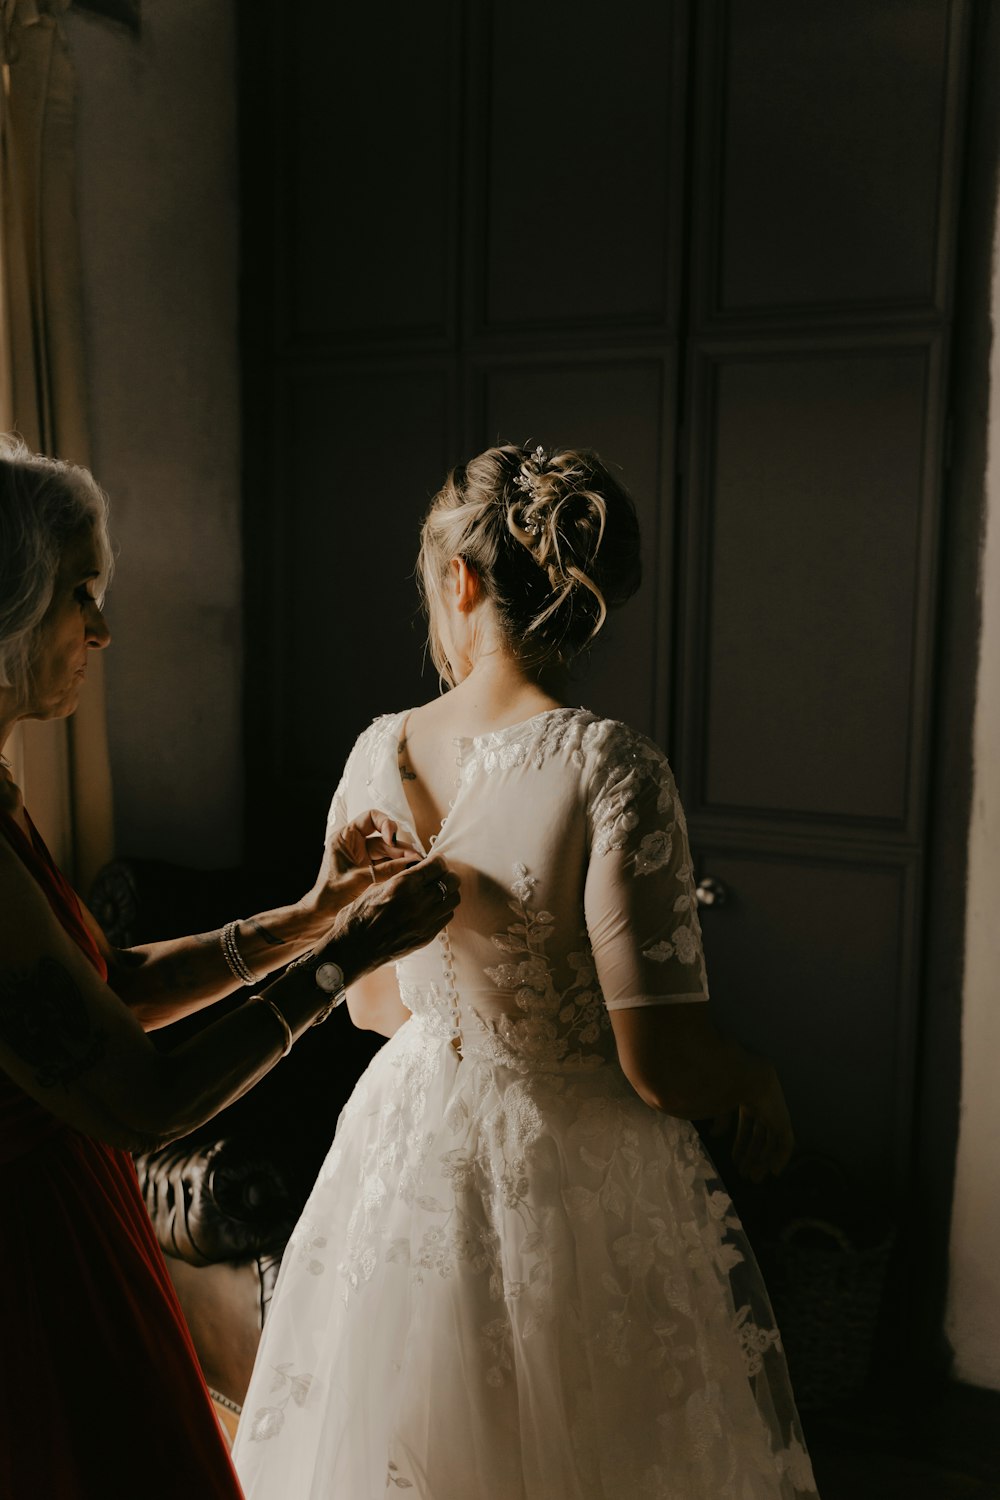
(589,739)
(382,726)
(618,753)
(612,740)
(372,742)
(630,783)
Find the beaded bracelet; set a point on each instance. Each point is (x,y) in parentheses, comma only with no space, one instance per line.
(238,966)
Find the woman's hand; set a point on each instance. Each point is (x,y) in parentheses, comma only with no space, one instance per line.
(764,1139)
(401,912)
(359,854)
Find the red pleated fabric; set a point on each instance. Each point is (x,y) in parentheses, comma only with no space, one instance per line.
(101,1395)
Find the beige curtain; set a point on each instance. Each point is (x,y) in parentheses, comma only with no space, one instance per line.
(61,766)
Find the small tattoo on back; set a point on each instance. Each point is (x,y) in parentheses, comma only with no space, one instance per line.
(404,770)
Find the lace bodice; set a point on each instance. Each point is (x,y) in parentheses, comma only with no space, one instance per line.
(563,814)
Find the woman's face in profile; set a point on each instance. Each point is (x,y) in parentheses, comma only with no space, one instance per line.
(73,626)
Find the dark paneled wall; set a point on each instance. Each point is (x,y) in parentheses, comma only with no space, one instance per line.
(717,243)
(462,224)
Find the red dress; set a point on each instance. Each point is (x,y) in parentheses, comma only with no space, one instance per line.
(101,1396)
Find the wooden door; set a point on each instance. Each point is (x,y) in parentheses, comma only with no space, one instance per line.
(826,167)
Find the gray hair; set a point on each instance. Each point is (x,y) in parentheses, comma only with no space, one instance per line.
(44,505)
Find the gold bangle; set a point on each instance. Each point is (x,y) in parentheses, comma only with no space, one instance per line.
(282,1019)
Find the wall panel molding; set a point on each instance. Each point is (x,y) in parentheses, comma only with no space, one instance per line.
(357,194)
(574,172)
(838,453)
(831,944)
(853,213)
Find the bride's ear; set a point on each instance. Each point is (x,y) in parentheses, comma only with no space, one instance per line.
(464,584)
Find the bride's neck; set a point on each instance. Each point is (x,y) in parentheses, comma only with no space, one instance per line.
(499,691)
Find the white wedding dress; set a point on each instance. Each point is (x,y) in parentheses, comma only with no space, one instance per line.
(513,1280)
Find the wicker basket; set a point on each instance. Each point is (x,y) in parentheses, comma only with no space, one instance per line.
(826,1294)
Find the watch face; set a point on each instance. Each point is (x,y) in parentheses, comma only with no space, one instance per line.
(330,978)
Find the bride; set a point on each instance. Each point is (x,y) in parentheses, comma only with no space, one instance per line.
(518,1276)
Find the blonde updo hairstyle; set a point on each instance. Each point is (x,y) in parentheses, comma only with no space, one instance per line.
(554,539)
(44,506)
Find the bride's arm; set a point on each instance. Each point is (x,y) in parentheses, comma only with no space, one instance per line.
(679,1062)
(374,1002)
(642,919)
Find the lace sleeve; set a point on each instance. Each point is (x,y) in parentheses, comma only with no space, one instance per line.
(349,800)
(338,804)
(642,915)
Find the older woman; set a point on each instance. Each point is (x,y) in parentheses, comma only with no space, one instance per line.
(100,1393)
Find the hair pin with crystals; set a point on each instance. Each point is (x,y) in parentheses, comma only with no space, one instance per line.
(526,482)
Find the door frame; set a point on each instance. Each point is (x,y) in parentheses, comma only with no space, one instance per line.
(927,1228)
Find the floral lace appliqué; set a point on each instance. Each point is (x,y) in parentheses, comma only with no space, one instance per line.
(636,784)
(285,1387)
(557,1027)
(560,731)
(754,1340)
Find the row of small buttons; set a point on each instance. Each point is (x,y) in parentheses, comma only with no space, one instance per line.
(444,938)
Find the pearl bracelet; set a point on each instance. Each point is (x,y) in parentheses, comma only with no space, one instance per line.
(238,966)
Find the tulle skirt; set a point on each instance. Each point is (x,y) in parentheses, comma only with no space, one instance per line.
(520,1285)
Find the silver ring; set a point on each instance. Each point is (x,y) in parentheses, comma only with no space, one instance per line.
(443,889)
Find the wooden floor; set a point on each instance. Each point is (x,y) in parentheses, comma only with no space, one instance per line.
(942,1446)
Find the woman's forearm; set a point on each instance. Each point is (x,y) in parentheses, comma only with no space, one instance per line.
(679,1062)
(70,1043)
(709,1081)
(90,1063)
(215,1068)
(163,982)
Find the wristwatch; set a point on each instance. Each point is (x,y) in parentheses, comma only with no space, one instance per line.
(330,979)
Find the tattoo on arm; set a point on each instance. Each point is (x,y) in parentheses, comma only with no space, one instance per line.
(269,937)
(45,1021)
(179,972)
